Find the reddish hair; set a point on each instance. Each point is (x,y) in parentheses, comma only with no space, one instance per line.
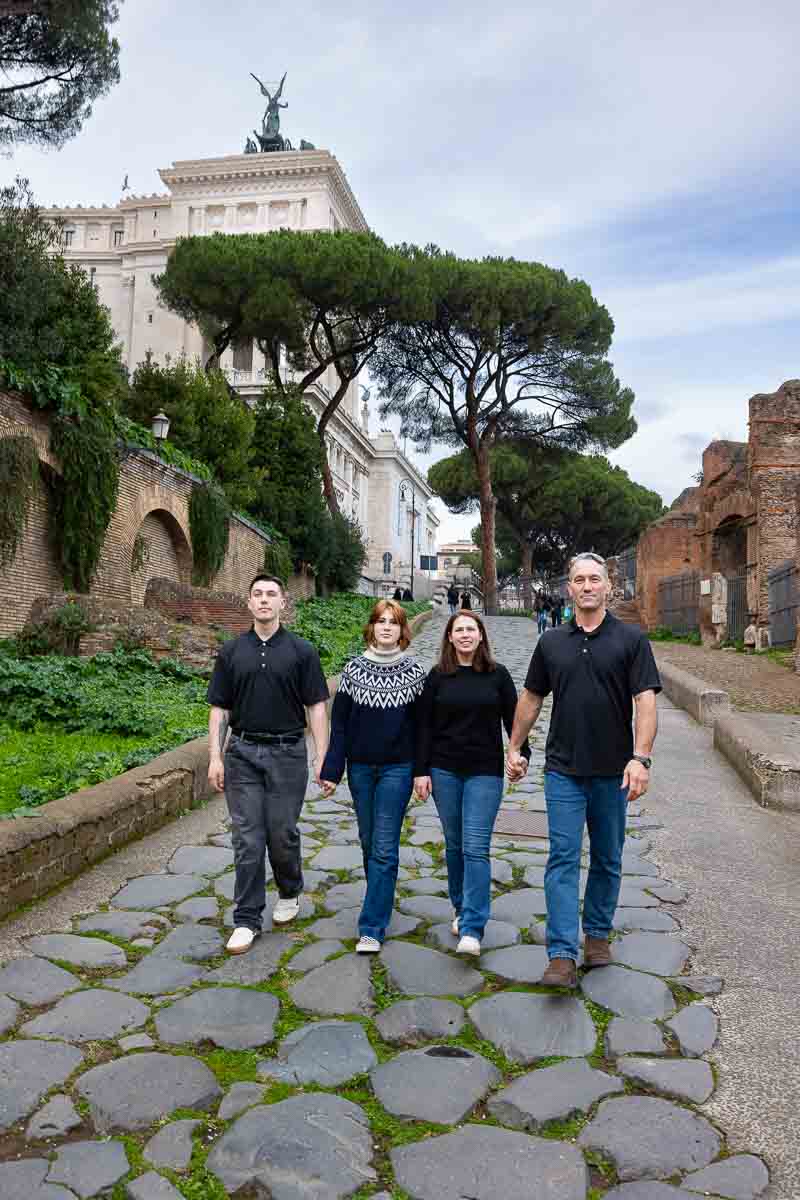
(448,659)
(399,614)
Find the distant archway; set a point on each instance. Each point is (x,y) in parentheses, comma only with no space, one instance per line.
(160,550)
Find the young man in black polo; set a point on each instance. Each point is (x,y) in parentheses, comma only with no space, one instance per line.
(262,683)
(596,667)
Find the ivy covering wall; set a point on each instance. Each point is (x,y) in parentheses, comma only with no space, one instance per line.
(19,472)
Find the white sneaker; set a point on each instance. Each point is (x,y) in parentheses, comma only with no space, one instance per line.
(368,945)
(240,940)
(454,926)
(286,909)
(469,945)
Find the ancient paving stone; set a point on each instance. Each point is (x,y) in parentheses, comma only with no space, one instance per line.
(696,1028)
(136,1041)
(127,925)
(195,942)
(430,908)
(534,875)
(632,864)
(495,935)
(224,839)
(652,919)
(89,1167)
(682,1078)
(740,1177)
(413,856)
(525,858)
(313,880)
(552,1094)
(150,891)
(88,1016)
(654,952)
(131,1093)
(36,981)
(336,988)
(224,885)
(440,1083)
(314,955)
(521,964)
(501,871)
(427,835)
(172,1146)
(418,971)
(77,951)
(200,908)
(239,1097)
(151,1186)
(485,1163)
(647,1190)
(527,1026)
(670,893)
(704,985)
(144,943)
(628,993)
(286,1149)
(338,858)
(327,1053)
(156,974)
(25,1181)
(325,806)
(57,1117)
(345,925)
(345,895)
(200,860)
(631,1035)
(230,1017)
(27,1071)
(649,1138)
(9,1011)
(520,908)
(428,885)
(411,1022)
(632,897)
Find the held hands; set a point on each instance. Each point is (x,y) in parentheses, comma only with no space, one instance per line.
(516,765)
(327,787)
(216,774)
(636,779)
(422,786)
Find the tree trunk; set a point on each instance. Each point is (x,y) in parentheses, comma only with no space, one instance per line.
(328,490)
(488,505)
(526,550)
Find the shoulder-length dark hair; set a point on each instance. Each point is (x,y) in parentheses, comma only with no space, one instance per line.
(401,618)
(448,659)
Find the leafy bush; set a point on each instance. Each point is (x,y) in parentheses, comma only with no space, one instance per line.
(335,626)
(662,633)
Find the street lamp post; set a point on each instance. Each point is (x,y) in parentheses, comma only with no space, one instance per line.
(160,428)
(413,524)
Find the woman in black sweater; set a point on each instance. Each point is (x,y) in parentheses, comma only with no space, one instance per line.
(373,732)
(467,699)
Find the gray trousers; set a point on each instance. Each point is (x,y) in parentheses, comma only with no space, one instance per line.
(265,787)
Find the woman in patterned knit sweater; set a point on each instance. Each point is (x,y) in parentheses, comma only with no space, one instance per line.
(373,732)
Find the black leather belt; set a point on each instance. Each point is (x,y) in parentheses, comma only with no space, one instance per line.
(268,739)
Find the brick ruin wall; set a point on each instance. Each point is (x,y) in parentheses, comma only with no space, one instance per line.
(147,545)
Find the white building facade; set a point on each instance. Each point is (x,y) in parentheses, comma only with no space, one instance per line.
(124,247)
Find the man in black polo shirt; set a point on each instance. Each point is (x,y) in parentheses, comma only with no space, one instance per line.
(262,682)
(596,667)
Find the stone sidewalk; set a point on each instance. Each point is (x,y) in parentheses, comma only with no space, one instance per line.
(138,1061)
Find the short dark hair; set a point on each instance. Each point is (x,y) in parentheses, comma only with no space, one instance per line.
(266,579)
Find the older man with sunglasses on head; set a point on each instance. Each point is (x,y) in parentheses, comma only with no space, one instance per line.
(597,759)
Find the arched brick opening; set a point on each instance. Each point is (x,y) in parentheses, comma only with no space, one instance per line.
(160,549)
(729,545)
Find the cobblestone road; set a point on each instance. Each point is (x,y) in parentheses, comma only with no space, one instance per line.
(136,1057)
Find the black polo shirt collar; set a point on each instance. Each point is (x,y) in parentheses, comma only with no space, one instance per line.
(576,628)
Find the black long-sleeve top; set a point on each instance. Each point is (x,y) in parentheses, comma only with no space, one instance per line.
(460,719)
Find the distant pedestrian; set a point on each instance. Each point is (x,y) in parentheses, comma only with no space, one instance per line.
(467,700)
(407,594)
(373,727)
(597,668)
(540,608)
(261,685)
(397,594)
(466,600)
(452,599)
(557,611)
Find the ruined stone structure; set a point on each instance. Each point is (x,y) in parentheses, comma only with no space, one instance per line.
(740,521)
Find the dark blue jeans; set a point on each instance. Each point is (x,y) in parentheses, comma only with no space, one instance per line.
(467,808)
(381,792)
(599,802)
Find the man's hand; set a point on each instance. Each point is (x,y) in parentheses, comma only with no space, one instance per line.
(328,787)
(422,786)
(516,765)
(636,779)
(216,774)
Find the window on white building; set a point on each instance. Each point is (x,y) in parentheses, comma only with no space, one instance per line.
(118,235)
(243,356)
(67,237)
(387,563)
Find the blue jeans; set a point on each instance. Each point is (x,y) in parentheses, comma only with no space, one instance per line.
(381,793)
(600,802)
(467,808)
(541,621)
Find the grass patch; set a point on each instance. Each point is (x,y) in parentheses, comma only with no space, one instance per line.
(384,992)
(233,1066)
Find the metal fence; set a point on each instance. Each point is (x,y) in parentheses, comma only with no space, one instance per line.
(737,605)
(784,602)
(678,597)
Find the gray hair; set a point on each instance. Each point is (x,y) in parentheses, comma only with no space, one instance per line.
(591,557)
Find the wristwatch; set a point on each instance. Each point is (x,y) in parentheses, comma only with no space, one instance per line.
(644,759)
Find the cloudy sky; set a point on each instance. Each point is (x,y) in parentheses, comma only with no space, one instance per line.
(653,150)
